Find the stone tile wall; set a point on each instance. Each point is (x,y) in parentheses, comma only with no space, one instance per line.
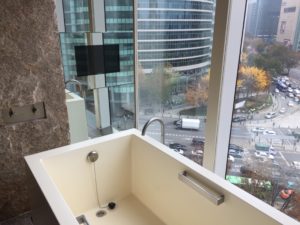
(30,72)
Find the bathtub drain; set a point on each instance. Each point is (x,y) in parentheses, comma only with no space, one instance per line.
(101,213)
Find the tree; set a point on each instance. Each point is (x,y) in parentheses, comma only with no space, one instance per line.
(198,95)
(276,58)
(156,88)
(253,79)
(293,209)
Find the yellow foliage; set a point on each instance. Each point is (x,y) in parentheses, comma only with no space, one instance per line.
(253,78)
(198,94)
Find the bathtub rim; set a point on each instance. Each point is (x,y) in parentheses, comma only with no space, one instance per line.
(64,214)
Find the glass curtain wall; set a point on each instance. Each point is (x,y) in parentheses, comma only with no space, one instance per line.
(264,146)
(119,30)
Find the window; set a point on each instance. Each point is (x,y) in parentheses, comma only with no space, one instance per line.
(264,148)
(174,53)
(290,9)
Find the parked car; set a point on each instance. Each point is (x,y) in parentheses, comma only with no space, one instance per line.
(282,110)
(291,104)
(231,158)
(236,147)
(272,151)
(197,152)
(198,141)
(270,115)
(239,119)
(177,146)
(269,132)
(263,155)
(234,153)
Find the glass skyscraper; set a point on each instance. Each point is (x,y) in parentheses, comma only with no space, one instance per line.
(175,33)
(119,30)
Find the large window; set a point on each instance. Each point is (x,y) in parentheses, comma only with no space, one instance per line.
(174,53)
(264,148)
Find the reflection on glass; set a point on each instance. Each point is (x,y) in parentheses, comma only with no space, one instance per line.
(264,150)
(108,94)
(174,52)
(122,106)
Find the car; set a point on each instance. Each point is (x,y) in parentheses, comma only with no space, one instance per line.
(258,130)
(198,141)
(282,110)
(272,151)
(246,170)
(176,122)
(291,104)
(270,115)
(235,153)
(269,132)
(197,152)
(179,151)
(290,89)
(276,90)
(291,95)
(296,99)
(239,119)
(236,147)
(296,91)
(177,146)
(263,155)
(231,158)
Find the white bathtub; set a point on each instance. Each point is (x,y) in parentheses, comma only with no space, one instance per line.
(140,175)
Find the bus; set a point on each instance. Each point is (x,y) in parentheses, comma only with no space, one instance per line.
(262,147)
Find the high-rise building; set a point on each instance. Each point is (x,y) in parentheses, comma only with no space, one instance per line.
(288,28)
(175,33)
(262,18)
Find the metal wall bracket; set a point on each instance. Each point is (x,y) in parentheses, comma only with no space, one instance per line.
(207,192)
(23,113)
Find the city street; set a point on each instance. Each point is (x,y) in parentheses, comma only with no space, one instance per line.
(282,125)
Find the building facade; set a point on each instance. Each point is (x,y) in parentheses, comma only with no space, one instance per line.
(288,31)
(175,33)
(262,18)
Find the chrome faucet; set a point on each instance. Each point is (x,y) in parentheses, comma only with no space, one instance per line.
(78,83)
(162,127)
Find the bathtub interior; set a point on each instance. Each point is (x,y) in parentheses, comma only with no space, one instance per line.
(143,181)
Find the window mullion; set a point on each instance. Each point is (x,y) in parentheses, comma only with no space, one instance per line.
(225,57)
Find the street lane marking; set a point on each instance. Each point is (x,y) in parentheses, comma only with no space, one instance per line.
(287,163)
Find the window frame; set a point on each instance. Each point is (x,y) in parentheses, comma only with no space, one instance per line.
(227,40)
(227,45)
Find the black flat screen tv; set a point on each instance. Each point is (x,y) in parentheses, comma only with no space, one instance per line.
(97,59)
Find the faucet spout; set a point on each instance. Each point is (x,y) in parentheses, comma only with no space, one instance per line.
(76,82)
(162,127)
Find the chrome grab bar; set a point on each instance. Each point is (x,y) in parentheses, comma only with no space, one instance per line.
(207,192)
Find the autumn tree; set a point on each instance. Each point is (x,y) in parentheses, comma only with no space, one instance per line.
(157,87)
(198,95)
(293,209)
(253,79)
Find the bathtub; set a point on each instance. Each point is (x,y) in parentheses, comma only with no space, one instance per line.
(150,184)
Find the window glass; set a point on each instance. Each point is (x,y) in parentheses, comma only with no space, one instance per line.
(264,149)
(174,53)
